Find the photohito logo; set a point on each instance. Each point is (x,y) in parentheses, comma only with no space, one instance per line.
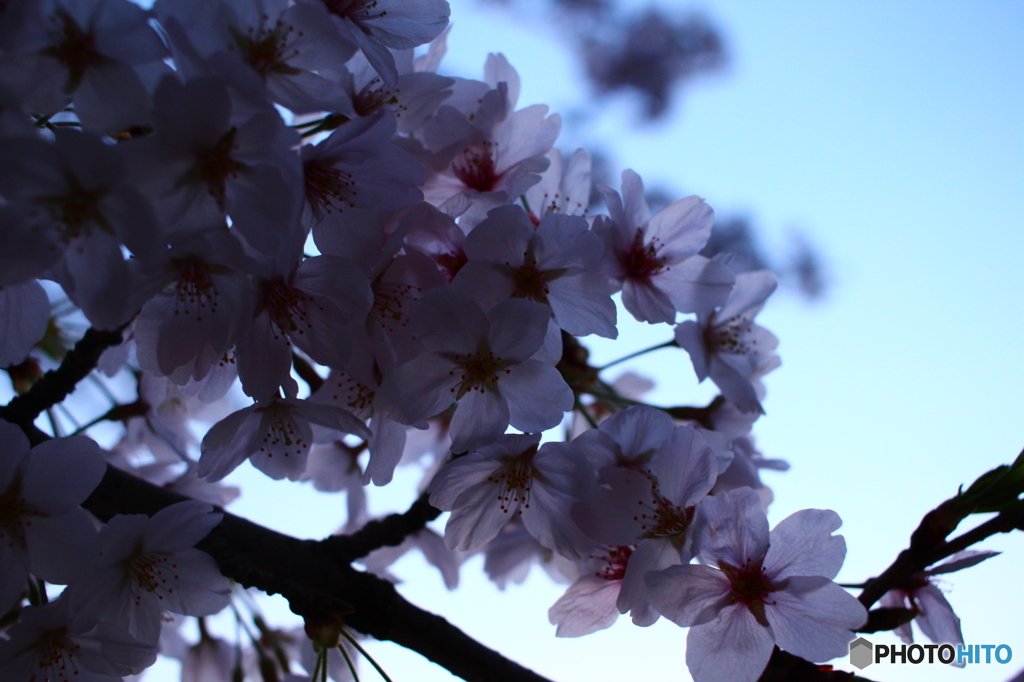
(863,653)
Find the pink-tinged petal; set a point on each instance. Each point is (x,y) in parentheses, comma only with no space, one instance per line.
(610,514)
(476,518)
(479,419)
(386,447)
(566,241)
(962,560)
(546,516)
(732,527)
(637,432)
(684,226)
(484,282)
(517,328)
(732,648)
(736,388)
(264,358)
(690,337)
(587,606)
(936,618)
(634,210)
(285,438)
(749,293)
(696,285)
(458,476)
(537,396)
(650,556)
(690,594)
(199,587)
(60,546)
(814,618)
(582,304)
(447,321)
(687,467)
(179,526)
(803,544)
(418,389)
(330,417)
(24,313)
(646,302)
(62,473)
(228,443)
(503,237)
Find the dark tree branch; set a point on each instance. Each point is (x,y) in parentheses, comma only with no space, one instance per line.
(307,573)
(317,586)
(785,667)
(928,544)
(387,532)
(57,384)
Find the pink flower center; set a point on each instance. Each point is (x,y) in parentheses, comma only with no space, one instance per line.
(389,302)
(196,292)
(55,656)
(151,573)
(477,371)
(475,167)
(76,212)
(373,96)
(641,261)
(327,187)
(514,481)
(659,517)
(280,433)
(616,560)
(286,306)
(353,394)
(750,586)
(734,336)
(531,282)
(214,166)
(266,49)
(73,47)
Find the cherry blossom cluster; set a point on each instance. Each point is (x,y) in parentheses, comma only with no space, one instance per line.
(264,192)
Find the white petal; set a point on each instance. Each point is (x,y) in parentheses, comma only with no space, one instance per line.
(732,648)
(587,606)
(814,618)
(803,544)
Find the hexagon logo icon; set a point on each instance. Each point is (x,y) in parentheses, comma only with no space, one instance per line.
(861,653)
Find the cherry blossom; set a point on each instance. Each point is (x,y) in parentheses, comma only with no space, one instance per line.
(483,362)
(59,643)
(86,51)
(767,589)
(275,435)
(148,565)
(555,263)
(934,614)
(43,531)
(727,346)
(654,259)
(512,477)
